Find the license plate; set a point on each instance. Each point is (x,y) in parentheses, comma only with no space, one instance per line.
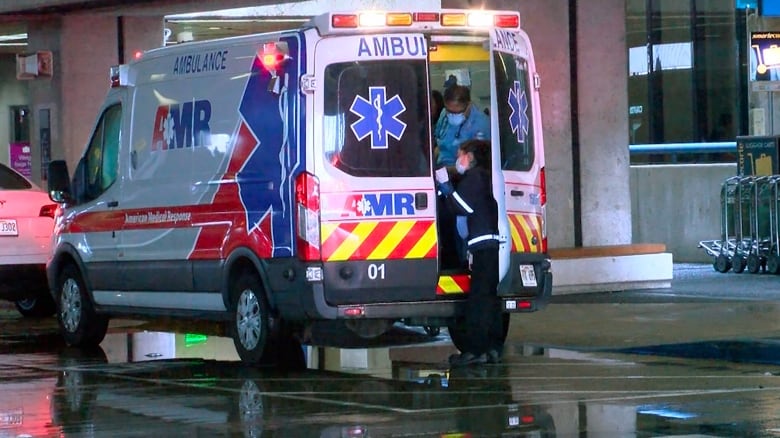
(527,275)
(8,227)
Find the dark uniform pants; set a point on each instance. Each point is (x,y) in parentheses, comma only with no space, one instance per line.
(484,320)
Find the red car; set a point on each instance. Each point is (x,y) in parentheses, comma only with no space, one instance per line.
(26,225)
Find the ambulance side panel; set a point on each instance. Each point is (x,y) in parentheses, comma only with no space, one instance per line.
(210,157)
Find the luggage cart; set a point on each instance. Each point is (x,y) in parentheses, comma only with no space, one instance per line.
(773,256)
(759,242)
(723,250)
(743,222)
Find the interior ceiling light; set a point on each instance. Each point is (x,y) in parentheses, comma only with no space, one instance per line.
(13,37)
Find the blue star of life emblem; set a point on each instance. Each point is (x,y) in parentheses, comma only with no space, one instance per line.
(378,117)
(518,120)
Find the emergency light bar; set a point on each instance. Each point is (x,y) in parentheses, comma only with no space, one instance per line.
(445,19)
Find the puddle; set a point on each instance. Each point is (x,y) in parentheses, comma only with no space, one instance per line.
(763,351)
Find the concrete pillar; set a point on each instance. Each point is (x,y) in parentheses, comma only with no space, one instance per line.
(602,105)
(82,60)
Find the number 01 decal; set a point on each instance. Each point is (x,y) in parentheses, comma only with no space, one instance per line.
(376,271)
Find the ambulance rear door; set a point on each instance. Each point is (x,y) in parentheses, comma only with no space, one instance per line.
(518,162)
(372,158)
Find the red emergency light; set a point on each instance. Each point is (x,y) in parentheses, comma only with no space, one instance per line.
(344,20)
(426,17)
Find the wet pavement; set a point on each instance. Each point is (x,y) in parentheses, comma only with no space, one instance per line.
(699,359)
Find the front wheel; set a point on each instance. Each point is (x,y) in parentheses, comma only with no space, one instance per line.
(79,324)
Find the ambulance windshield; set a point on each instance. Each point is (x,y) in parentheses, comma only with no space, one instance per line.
(376,118)
(515,121)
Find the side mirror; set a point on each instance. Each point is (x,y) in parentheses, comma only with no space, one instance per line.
(59,182)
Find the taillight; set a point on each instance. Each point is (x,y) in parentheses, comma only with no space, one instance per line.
(48,210)
(307,200)
(543,199)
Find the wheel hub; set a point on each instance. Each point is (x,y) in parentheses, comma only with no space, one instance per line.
(70,305)
(248,319)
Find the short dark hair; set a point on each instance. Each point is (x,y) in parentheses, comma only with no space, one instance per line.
(457,93)
(480,149)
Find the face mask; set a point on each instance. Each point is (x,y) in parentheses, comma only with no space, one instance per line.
(456,119)
(460,167)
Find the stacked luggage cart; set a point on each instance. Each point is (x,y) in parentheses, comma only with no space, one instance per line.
(750,226)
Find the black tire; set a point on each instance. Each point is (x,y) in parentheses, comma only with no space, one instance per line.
(738,264)
(79,324)
(753,263)
(251,322)
(722,263)
(38,307)
(458,330)
(773,264)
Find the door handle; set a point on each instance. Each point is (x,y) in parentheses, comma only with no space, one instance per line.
(517,193)
(112,203)
(420,201)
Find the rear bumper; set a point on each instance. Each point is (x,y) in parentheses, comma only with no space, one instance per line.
(22,281)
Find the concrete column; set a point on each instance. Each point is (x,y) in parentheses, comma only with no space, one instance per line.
(82,60)
(602,105)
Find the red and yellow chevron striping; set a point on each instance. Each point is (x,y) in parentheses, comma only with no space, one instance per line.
(378,240)
(453,284)
(524,228)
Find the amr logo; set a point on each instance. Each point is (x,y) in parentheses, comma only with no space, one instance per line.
(182,125)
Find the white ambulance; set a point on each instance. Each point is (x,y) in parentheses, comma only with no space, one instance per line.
(277,180)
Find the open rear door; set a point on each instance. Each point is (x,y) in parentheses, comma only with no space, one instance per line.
(518,163)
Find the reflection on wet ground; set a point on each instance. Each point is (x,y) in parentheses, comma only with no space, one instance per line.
(578,368)
(537,391)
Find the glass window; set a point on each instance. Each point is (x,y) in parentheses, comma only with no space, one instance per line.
(683,76)
(10,180)
(515,123)
(103,152)
(376,118)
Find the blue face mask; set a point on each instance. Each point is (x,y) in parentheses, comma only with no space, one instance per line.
(456,119)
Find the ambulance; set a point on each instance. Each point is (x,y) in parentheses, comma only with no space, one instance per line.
(278,180)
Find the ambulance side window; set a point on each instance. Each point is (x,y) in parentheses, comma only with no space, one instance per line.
(376,118)
(515,115)
(101,158)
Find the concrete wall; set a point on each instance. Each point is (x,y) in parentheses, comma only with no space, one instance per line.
(678,205)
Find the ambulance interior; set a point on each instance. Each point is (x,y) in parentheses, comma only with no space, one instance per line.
(457,63)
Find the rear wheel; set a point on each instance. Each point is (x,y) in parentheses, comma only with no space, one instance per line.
(37,307)
(258,339)
(251,319)
(79,324)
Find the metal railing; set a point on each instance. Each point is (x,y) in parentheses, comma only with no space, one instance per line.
(669,153)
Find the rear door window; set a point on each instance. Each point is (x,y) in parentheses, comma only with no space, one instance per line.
(376,118)
(515,125)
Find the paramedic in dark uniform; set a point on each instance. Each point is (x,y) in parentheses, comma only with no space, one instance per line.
(474,199)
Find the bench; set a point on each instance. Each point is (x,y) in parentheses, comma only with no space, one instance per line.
(611,268)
